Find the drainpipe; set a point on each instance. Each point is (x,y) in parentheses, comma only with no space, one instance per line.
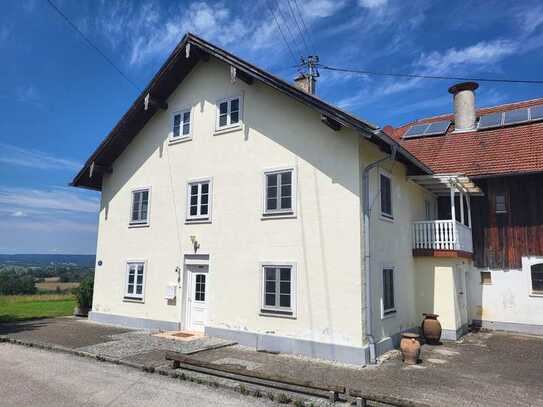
(366,273)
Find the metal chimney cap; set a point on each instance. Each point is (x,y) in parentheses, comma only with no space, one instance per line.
(463,86)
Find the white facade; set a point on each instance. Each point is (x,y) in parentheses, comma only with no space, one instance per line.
(321,240)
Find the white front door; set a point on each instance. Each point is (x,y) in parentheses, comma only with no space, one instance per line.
(197,297)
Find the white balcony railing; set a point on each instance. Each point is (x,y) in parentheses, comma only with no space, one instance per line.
(442,235)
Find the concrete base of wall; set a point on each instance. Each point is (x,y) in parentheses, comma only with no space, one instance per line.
(272,343)
(509,326)
(452,335)
(133,322)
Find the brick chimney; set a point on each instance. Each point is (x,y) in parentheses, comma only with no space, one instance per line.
(306,83)
(464,106)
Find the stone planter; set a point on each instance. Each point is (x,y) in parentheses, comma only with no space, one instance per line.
(410,347)
(431,329)
(81,311)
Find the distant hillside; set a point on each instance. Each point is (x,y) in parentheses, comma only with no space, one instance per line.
(81,260)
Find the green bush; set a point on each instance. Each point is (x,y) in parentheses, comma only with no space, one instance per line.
(16,284)
(83,293)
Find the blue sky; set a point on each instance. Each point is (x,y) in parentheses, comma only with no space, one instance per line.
(59,98)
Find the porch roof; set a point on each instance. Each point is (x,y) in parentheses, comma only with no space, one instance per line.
(441,184)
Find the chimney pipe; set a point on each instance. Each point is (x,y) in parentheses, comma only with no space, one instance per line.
(305,82)
(464,106)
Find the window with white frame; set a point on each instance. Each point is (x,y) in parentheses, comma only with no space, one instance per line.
(181,125)
(536,274)
(386,196)
(388,291)
(199,200)
(278,288)
(428,209)
(135,285)
(279,192)
(139,214)
(501,205)
(229,113)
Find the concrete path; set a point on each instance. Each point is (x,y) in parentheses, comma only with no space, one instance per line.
(33,377)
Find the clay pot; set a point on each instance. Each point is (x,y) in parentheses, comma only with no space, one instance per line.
(410,347)
(431,329)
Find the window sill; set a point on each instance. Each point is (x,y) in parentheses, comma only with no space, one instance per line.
(278,215)
(138,225)
(179,140)
(230,129)
(196,221)
(388,314)
(277,314)
(133,299)
(536,294)
(387,218)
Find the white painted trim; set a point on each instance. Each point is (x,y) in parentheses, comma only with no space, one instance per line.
(131,223)
(199,218)
(280,213)
(188,269)
(389,313)
(229,126)
(127,297)
(181,137)
(386,216)
(293,290)
(527,263)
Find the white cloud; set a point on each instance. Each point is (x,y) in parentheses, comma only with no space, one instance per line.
(49,226)
(13,155)
(62,199)
(18,214)
(321,8)
(372,4)
(530,18)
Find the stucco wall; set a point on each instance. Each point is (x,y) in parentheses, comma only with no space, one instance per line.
(323,240)
(391,243)
(508,299)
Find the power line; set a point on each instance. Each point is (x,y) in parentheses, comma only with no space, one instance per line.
(284,20)
(305,27)
(302,36)
(282,34)
(405,75)
(108,60)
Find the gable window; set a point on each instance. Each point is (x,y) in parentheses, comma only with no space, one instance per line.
(199,200)
(386,196)
(388,291)
(229,113)
(181,125)
(278,289)
(501,206)
(536,271)
(279,192)
(134,281)
(139,214)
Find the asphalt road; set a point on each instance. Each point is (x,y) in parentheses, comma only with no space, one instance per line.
(34,377)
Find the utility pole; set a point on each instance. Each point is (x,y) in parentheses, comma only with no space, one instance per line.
(311,63)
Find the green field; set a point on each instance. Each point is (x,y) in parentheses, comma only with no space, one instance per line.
(21,307)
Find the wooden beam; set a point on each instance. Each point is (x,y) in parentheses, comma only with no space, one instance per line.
(333,124)
(154,102)
(236,74)
(99,169)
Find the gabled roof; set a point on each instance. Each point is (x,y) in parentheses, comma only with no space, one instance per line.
(514,149)
(184,57)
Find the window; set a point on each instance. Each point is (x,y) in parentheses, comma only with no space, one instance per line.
(278,289)
(428,209)
(386,196)
(388,292)
(200,289)
(135,280)
(181,125)
(486,277)
(280,192)
(229,113)
(140,207)
(199,204)
(537,278)
(501,206)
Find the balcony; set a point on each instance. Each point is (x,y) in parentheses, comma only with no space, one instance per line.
(439,235)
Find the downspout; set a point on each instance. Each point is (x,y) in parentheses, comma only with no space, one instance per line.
(366,272)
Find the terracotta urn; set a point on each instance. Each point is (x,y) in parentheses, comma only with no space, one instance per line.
(410,347)
(431,329)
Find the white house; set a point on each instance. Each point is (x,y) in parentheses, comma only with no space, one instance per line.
(240,205)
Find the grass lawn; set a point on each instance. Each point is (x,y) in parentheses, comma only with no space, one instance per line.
(21,307)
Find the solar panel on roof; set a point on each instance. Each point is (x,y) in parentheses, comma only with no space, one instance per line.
(536,112)
(490,120)
(417,130)
(515,116)
(437,128)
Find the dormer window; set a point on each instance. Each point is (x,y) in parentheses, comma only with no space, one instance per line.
(229,112)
